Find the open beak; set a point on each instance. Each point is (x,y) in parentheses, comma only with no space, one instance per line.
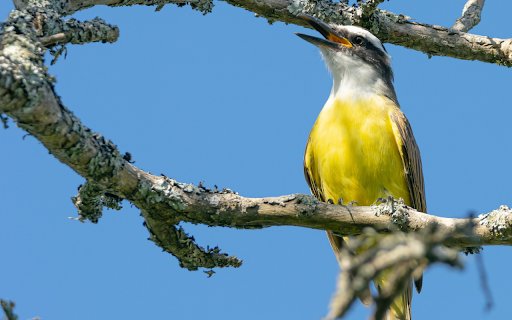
(332,40)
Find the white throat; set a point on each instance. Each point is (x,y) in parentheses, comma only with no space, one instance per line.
(353,78)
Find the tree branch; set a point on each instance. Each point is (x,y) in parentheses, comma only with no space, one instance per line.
(389,27)
(71,6)
(8,308)
(76,32)
(27,96)
(165,202)
(471,14)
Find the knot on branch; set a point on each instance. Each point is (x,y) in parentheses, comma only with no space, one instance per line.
(498,221)
(91,199)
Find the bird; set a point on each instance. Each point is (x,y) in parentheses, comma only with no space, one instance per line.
(361,147)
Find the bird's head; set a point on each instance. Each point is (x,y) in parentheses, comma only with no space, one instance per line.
(355,57)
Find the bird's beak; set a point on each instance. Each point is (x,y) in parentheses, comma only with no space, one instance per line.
(332,40)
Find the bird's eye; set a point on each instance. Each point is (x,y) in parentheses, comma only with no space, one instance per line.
(358,40)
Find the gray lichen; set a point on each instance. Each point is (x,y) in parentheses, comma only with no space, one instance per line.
(498,221)
(203,6)
(396,209)
(191,256)
(323,9)
(91,199)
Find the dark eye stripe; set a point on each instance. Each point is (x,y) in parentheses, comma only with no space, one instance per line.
(371,46)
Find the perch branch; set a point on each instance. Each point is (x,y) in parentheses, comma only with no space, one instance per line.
(27,96)
(389,27)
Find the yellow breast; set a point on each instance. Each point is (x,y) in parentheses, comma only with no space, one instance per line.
(352,153)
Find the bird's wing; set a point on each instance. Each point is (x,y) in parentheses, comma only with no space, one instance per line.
(313,181)
(411,160)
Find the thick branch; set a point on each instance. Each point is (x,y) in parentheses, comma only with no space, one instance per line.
(71,6)
(389,27)
(27,96)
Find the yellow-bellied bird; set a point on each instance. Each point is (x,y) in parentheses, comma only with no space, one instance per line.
(361,147)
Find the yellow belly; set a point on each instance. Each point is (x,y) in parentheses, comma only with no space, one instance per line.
(352,153)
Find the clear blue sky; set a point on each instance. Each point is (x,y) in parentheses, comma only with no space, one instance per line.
(229,100)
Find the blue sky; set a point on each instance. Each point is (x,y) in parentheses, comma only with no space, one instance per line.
(229,100)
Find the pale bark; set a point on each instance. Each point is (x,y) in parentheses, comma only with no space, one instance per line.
(394,28)
(27,95)
(471,14)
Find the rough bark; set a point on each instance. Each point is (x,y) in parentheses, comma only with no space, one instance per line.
(27,95)
(394,28)
(471,14)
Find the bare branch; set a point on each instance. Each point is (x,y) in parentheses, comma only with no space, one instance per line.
(27,96)
(76,32)
(484,283)
(164,202)
(389,27)
(471,14)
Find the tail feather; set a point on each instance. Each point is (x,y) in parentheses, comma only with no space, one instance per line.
(401,307)
(336,243)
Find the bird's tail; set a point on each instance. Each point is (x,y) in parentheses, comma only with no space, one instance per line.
(400,308)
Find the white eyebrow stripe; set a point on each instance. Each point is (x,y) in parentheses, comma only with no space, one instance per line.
(365,34)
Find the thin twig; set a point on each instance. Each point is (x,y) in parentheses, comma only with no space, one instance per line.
(484,282)
(77,32)
(8,308)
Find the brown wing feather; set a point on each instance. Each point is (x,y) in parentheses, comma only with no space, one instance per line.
(310,179)
(411,159)
(412,167)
